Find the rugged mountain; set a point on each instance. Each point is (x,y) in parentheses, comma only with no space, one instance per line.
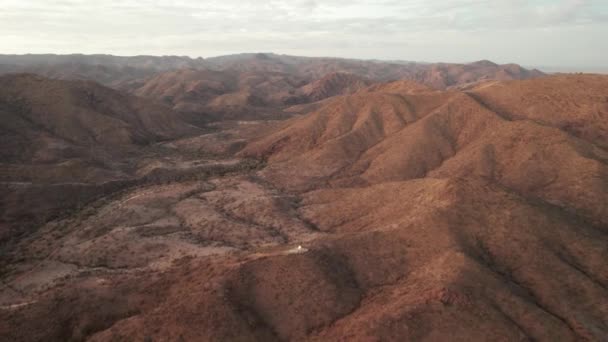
(422,214)
(249,86)
(393,133)
(253,86)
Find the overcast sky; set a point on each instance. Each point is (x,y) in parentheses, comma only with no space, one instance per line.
(569,33)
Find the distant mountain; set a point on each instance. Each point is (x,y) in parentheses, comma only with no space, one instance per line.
(437,75)
(442,76)
(247,94)
(225,94)
(123,72)
(333,84)
(114,71)
(143,62)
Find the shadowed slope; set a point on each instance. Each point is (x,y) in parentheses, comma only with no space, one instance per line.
(64,142)
(79,113)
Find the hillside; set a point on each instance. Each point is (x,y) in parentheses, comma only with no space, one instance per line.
(397,134)
(72,114)
(65,142)
(514,181)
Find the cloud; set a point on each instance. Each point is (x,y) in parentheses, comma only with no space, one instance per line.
(277,15)
(387,28)
(565,12)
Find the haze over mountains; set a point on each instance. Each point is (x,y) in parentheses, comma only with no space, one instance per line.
(163,198)
(101,68)
(250,85)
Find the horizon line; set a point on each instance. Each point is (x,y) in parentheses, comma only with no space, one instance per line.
(544,68)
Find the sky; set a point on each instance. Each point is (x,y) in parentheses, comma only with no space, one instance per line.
(551,33)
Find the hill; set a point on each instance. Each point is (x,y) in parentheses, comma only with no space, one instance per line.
(396,134)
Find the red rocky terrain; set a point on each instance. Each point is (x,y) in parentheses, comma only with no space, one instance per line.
(378,211)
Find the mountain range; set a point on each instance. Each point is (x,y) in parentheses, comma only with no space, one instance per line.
(262,197)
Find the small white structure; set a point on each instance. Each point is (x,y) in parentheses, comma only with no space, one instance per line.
(297,250)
